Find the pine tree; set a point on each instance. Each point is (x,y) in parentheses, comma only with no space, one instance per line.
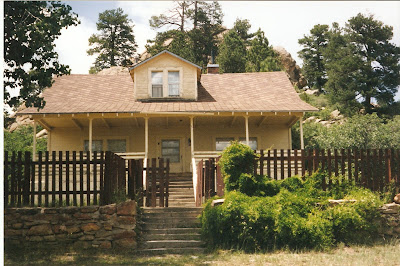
(312,54)
(232,54)
(115,45)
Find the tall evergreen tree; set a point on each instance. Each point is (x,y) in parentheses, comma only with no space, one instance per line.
(261,56)
(115,45)
(312,54)
(366,65)
(30,29)
(232,53)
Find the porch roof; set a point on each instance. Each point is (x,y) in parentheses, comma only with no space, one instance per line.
(233,92)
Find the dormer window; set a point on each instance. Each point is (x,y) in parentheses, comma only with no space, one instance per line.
(173,83)
(165,82)
(157,84)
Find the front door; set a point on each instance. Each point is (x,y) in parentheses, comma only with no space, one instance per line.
(171,148)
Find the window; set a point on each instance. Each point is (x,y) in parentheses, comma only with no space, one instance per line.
(157,84)
(252,142)
(173,83)
(97,145)
(170,150)
(116,145)
(222,143)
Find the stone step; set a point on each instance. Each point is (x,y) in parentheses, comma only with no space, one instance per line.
(148,237)
(161,251)
(180,224)
(163,231)
(156,215)
(170,209)
(153,244)
(189,221)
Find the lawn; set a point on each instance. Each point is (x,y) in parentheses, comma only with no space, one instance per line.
(385,253)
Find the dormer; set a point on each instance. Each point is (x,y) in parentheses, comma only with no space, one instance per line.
(165,77)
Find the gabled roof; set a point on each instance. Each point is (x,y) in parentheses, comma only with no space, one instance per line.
(233,92)
(164,52)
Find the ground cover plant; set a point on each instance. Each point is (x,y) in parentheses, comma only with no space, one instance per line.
(264,214)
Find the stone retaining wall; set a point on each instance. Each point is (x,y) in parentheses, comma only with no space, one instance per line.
(82,227)
(390,222)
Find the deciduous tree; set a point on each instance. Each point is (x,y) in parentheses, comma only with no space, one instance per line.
(30,29)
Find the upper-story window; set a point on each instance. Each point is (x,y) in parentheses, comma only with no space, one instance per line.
(157,84)
(173,83)
(166,82)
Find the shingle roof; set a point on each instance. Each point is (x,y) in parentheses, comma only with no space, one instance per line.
(234,92)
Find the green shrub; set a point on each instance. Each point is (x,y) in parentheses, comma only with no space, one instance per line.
(292,214)
(236,159)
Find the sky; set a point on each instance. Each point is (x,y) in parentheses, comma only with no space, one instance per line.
(284,23)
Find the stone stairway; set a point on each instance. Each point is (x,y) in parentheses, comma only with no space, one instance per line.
(176,229)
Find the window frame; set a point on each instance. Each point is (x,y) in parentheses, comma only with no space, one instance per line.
(223,138)
(157,84)
(165,85)
(243,141)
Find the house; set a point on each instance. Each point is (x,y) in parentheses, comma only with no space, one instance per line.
(165,107)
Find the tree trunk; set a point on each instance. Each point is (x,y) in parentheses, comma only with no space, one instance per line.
(112,61)
(195,15)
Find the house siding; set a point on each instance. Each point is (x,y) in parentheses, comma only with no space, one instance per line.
(165,61)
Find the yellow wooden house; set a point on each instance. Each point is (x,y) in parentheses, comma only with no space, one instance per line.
(165,107)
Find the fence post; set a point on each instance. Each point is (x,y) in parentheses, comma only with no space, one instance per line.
(261,163)
(161,173)
(167,184)
(220,181)
(199,196)
(6,185)
(388,156)
(153,182)
(27,178)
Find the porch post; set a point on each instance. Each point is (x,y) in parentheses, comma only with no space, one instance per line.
(90,136)
(49,140)
(192,136)
(34,141)
(146,137)
(301,133)
(247,130)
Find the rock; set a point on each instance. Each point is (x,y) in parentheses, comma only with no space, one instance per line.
(293,70)
(87,237)
(126,220)
(50,238)
(10,232)
(125,243)
(82,216)
(335,114)
(311,118)
(89,209)
(17,225)
(337,202)
(311,92)
(115,70)
(217,202)
(90,227)
(125,234)
(127,208)
(73,229)
(40,230)
(50,211)
(397,198)
(105,244)
(36,238)
(82,245)
(108,209)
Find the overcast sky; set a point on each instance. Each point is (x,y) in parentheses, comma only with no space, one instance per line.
(283,22)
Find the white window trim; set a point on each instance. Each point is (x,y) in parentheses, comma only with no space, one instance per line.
(165,80)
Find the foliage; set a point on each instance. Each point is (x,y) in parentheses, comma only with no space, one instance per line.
(22,140)
(360,131)
(362,64)
(232,54)
(236,159)
(297,217)
(30,29)
(194,44)
(261,56)
(115,44)
(312,55)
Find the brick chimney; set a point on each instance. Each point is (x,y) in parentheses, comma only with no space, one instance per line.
(212,69)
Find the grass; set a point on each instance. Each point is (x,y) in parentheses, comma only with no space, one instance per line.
(385,253)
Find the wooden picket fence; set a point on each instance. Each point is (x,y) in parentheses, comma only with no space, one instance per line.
(370,168)
(157,183)
(75,179)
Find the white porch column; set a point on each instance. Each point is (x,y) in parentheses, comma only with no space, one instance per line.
(192,136)
(146,137)
(301,133)
(49,140)
(90,136)
(246,118)
(34,141)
